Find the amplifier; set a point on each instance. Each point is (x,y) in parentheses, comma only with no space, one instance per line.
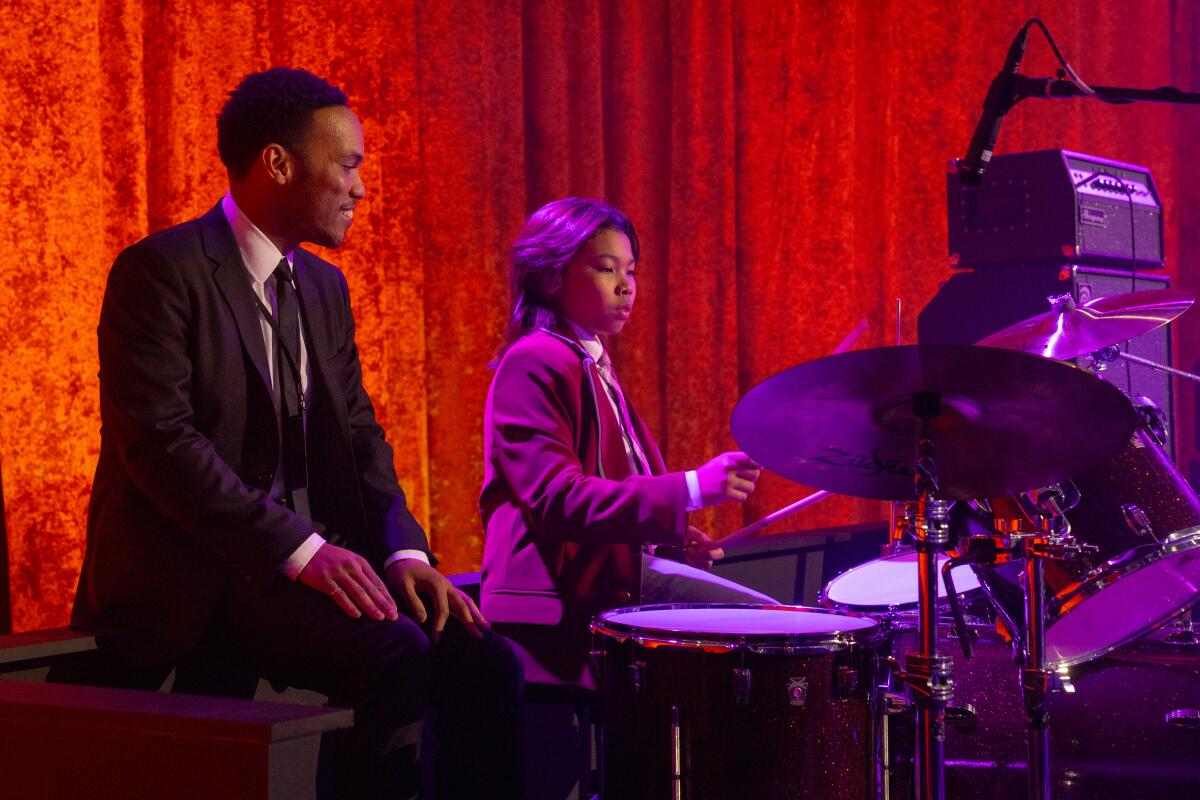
(975,304)
(1056,206)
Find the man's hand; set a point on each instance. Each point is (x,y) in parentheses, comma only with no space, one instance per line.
(729,476)
(699,550)
(349,581)
(410,576)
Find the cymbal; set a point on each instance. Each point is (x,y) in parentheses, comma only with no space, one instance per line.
(1068,330)
(1009,422)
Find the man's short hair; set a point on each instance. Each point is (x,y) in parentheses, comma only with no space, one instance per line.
(275,106)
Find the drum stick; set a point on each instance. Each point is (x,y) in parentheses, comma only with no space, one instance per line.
(851,337)
(774,516)
(815,497)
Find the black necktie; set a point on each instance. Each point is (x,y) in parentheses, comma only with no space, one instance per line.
(291,396)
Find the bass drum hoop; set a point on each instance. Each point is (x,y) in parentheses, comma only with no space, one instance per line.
(1108,575)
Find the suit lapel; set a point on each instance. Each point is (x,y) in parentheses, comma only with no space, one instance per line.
(232,280)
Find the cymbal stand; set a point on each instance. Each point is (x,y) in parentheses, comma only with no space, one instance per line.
(1111,353)
(926,672)
(1035,679)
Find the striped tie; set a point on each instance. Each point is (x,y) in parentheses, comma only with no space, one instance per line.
(633,448)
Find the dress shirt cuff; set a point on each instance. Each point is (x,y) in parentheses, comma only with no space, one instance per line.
(399,554)
(693,484)
(300,557)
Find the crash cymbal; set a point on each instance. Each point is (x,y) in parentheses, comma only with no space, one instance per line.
(1009,422)
(1068,330)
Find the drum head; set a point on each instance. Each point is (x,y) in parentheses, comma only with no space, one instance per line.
(889,584)
(734,625)
(1137,593)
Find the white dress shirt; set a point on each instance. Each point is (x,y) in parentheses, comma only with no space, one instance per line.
(261,257)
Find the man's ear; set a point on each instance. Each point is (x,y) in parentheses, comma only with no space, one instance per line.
(279,163)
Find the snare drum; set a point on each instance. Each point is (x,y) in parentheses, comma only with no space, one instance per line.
(888,586)
(726,701)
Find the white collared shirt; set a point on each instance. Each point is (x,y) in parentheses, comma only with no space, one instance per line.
(261,257)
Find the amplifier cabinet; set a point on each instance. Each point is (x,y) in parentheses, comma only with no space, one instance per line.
(1054,206)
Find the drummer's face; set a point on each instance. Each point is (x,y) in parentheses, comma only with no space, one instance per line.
(599,284)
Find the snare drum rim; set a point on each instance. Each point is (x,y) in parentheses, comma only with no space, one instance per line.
(766,643)
(1110,573)
(893,609)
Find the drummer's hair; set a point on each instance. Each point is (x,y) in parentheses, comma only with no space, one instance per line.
(547,242)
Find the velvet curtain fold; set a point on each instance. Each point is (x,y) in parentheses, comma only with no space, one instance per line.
(784,162)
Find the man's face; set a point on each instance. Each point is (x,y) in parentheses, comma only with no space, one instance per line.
(599,286)
(327,184)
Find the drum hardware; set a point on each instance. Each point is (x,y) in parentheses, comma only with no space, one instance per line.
(637,677)
(848,424)
(1038,678)
(676,756)
(1182,633)
(1183,718)
(1097,360)
(980,550)
(741,686)
(797,691)
(1137,521)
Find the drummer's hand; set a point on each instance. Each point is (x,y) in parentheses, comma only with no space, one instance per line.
(700,551)
(408,577)
(729,476)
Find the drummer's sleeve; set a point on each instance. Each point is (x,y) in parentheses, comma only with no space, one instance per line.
(534,425)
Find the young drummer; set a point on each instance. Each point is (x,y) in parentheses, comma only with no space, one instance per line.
(575,488)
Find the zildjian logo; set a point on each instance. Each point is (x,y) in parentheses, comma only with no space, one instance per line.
(871,464)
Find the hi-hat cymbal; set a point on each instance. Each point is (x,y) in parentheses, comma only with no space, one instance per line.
(1009,422)
(1068,330)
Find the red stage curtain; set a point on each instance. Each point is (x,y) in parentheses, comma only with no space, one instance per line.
(784,161)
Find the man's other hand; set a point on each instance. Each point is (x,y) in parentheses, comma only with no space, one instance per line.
(409,577)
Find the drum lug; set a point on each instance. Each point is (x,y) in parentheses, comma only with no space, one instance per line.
(637,677)
(1137,520)
(741,685)
(962,717)
(847,681)
(895,703)
(596,661)
(797,691)
(1183,718)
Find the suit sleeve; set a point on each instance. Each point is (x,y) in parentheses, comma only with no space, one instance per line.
(146,333)
(533,435)
(391,526)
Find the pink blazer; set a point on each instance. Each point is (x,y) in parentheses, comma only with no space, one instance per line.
(564,519)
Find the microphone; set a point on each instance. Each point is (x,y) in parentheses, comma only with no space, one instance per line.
(997,103)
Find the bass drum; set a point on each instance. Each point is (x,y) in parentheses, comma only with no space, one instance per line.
(1127,730)
(713,702)
(1143,518)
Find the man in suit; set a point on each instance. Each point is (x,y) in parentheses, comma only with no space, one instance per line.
(246,518)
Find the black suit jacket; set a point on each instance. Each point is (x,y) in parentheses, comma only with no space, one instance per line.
(179,519)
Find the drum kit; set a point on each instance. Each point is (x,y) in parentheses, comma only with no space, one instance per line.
(1032,501)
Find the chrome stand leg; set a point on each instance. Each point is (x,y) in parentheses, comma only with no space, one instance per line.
(927,672)
(1035,678)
